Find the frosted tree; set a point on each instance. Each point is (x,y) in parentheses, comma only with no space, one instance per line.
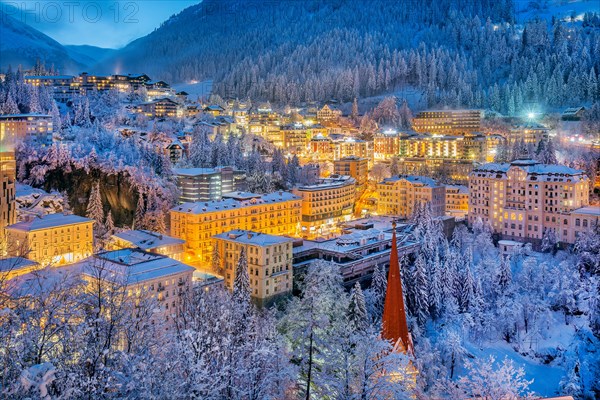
(504,275)
(357,309)
(485,380)
(571,384)
(394,167)
(241,283)
(405,115)
(109,224)
(565,289)
(378,291)
(354,113)
(452,350)
(140,212)
(595,311)
(95,209)
(467,298)
(216,261)
(549,240)
(421,298)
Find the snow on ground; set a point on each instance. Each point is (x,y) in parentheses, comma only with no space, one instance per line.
(32,201)
(195,89)
(546,9)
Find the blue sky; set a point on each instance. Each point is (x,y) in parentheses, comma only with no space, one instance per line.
(103,23)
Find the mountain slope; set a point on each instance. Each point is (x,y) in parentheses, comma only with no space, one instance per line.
(20,44)
(88,55)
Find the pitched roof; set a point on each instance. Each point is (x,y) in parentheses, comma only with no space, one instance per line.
(48,221)
(395,327)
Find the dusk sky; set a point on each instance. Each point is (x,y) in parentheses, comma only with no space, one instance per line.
(103,23)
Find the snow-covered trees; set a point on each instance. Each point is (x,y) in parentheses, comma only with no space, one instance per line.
(357,310)
(95,210)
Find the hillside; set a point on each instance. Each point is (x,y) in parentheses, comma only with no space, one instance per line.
(456,53)
(21,44)
(88,55)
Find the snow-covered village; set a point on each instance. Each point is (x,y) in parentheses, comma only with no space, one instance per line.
(320,199)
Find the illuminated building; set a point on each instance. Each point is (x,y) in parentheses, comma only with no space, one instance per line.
(141,275)
(457,201)
(328,113)
(387,144)
(321,147)
(456,170)
(149,241)
(269,262)
(522,199)
(8,178)
(325,204)
(398,196)
(448,122)
(531,133)
(32,127)
(356,167)
(52,239)
(275,213)
(204,184)
(159,108)
(294,139)
(12,267)
(63,87)
(352,147)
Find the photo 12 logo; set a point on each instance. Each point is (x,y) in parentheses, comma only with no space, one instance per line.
(41,12)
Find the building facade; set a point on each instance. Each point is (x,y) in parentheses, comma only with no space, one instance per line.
(269,262)
(32,127)
(457,201)
(153,242)
(398,196)
(448,122)
(8,178)
(207,184)
(55,239)
(355,167)
(325,204)
(522,199)
(275,213)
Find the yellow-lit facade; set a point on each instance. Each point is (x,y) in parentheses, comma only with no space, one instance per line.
(197,223)
(269,262)
(356,167)
(457,201)
(326,204)
(35,127)
(54,239)
(448,122)
(7,180)
(398,196)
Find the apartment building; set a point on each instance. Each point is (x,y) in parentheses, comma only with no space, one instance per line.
(457,201)
(52,239)
(207,184)
(448,122)
(274,213)
(387,144)
(34,127)
(328,113)
(269,260)
(325,204)
(531,133)
(398,195)
(355,167)
(142,275)
(524,198)
(8,178)
(352,147)
(159,108)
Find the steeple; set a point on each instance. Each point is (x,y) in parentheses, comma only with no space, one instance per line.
(395,328)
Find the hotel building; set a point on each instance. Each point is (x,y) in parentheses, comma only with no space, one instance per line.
(355,167)
(8,178)
(269,262)
(448,122)
(274,213)
(325,204)
(149,241)
(524,198)
(207,184)
(52,239)
(398,196)
(457,201)
(35,127)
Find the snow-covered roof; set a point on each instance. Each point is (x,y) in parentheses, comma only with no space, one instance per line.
(241,195)
(414,179)
(530,166)
(15,263)
(346,243)
(147,240)
(31,115)
(230,203)
(458,188)
(250,237)
(327,183)
(49,221)
(591,210)
(49,77)
(194,171)
(132,266)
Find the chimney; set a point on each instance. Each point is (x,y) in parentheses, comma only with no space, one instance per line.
(249,235)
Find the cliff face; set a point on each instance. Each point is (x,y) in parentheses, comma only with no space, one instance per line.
(117,194)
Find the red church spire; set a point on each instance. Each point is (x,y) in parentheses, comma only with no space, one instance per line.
(395,328)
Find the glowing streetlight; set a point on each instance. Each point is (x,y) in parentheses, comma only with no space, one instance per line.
(531,115)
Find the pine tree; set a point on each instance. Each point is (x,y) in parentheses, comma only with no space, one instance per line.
(357,309)
(140,211)
(241,283)
(504,275)
(216,261)
(109,224)
(354,114)
(394,167)
(467,299)
(595,312)
(378,288)
(95,210)
(421,305)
